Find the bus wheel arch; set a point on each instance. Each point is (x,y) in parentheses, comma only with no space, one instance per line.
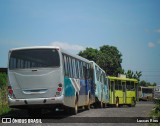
(133,104)
(87,107)
(74,110)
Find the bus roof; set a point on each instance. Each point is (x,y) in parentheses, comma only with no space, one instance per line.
(35,47)
(149,87)
(51,47)
(123,79)
(97,66)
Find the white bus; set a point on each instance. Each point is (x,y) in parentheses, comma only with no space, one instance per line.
(156,93)
(145,93)
(47,76)
(101,86)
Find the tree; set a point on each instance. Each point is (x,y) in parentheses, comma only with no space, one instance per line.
(89,53)
(144,83)
(107,57)
(137,75)
(154,84)
(131,74)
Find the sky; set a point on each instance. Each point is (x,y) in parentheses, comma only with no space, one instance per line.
(133,26)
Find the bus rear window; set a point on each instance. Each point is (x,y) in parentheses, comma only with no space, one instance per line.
(34,58)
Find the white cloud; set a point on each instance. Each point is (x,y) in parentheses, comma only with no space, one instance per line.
(151,45)
(158,30)
(158,41)
(67,46)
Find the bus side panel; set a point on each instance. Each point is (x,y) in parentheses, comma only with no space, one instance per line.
(111,92)
(98,92)
(84,92)
(119,93)
(129,96)
(73,86)
(69,92)
(92,92)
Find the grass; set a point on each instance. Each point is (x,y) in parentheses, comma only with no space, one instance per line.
(155,113)
(4,109)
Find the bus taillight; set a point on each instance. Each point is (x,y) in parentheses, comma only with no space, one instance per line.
(10,90)
(59,89)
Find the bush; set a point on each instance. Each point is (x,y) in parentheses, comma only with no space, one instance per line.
(3,80)
(4,110)
(3,94)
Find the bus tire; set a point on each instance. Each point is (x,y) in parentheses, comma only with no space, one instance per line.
(133,102)
(104,105)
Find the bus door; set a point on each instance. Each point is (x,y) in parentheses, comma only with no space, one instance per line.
(112,97)
(106,93)
(124,91)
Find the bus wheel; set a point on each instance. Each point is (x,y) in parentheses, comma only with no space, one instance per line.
(133,104)
(104,105)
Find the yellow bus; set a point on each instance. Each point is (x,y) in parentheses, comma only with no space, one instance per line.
(122,91)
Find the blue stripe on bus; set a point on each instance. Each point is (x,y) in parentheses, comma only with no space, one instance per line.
(84,87)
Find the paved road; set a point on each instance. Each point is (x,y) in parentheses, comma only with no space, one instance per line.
(94,116)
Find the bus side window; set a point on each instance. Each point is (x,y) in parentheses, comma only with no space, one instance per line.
(88,71)
(112,84)
(116,85)
(78,68)
(128,86)
(124,86)
(84,71)
(65,67)
(132,85)
(120,85)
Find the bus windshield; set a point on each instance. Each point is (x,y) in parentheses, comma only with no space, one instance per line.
(147,90)
(34,58)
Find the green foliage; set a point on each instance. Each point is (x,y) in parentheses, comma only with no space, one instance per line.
(3,79)
(5,109)
(155,113)
(131,74)
(144,83)
(3,94)
(107,57)
(89,54)
(110,59)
